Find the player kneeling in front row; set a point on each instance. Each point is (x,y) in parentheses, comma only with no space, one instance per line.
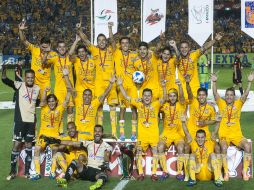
(98,160)
(172,130)
(203,162)
(66,154)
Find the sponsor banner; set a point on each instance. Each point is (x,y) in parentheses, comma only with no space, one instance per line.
(235,161)
(228,58)
(200,20)
(247,17)
(105,11)
(154,19)
(9,59)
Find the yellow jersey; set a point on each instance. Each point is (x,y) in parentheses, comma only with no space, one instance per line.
(51,121)
(124,66)
(200,113)
(42,74)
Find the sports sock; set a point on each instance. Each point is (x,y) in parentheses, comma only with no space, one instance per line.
(134,124)
(139,164)
(192,169)
(121,124)
(70,170)
(185,164)
(61,162)
(216,168)
(180,163)
(162,159)
(113,121)
(100,116)
(14,158)
(224,163)
(28,160)
(241,90)
(37,164)
(246,161)
(155,164)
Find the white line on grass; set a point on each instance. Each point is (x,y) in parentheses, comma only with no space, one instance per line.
(121,185)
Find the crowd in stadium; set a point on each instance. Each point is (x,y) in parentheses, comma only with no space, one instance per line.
(126,75)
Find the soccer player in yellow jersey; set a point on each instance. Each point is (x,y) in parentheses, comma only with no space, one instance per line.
(123,59)
(103,58)
(51,119)
(86,111)
(66,154)
(188,63)
(39,54)
(230,129)
(204,164)
(147,63)
(172,130)
(148,129)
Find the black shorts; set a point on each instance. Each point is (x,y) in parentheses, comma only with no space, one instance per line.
(89,173)
(24,131)
(239,77)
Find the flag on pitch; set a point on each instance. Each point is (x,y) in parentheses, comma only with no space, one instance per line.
(105,11)
(247,17)
(154,19)
(200,20)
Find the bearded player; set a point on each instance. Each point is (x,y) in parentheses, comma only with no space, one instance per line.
(230,128)
(148,129)
(103,59)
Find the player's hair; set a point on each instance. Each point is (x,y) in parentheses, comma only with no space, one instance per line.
(45,40)
(72,123)
(143,44)
(89,90)
(51,96)
(147,90)
(124,38)
(184,42)
(60,42)
(29,71)
(166,48)
(99,126)
(81,47)
(232,89)
(99,35)
(202,90)
(201,131)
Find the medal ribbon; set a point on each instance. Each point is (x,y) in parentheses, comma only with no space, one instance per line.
(172,116)
(87,63)
(164,73)
(95,151)
(185,68)
(125,62)
(146,115)
(59,61)
(85,111)
(229,113)
(104,58)
(52,119)
(29,97)
(143,66)
(201,154)
(201,114)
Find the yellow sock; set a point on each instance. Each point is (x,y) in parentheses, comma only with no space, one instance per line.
(224,163)
(113,121)
(100,116)
(163,162)
(185,164)
(246,161)
(155,164)
(180,163)
(192,169)
(70,117)
(134,124)
(37,164)
(53,165)
(216,168)
(139,164)
(121,124)
(61,162)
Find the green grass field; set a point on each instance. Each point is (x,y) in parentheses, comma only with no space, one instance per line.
(6,123)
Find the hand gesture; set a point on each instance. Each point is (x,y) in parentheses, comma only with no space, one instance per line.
(47,89)
(163,82)
(22,26)
(78,26)
(213,77)
(218,117)
(77,38)
(110,24)
(172,43)
(162,36)
(183,118)
(134,30)
(112,78)
(119,81)
(187,78)
(218,36)
(251,77)
(178,82)
(65,72)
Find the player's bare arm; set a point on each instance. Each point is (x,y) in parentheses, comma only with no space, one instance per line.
(209,44)
(120,84)
(185,129)
(22,27)
(181,93)
(215,92)
(111,36)
(44,97)
(83,37)
(73,47)
(188,88)
(5,79)
(68,87)
(172,43)
(111,82)
(160,44)
(214,134)
(246,92)
(164,98)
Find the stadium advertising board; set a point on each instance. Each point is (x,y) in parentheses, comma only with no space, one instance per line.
(225,59)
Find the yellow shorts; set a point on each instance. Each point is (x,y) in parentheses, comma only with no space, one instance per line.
(112,96)
(168,138)
(75,155)
(235,139)
(144,143)
(203,172)
(61,97)
(131,92)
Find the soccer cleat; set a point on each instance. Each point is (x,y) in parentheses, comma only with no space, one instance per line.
(141,177)
(154,177)
(61,182)
(35,177)
(10,176)
(133,137)
(191,183)
(226,176)
(52,175)
(97,185)
(186,178)
(164,176)
(122,138)
(180,177)
(218,183)
(245,176)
